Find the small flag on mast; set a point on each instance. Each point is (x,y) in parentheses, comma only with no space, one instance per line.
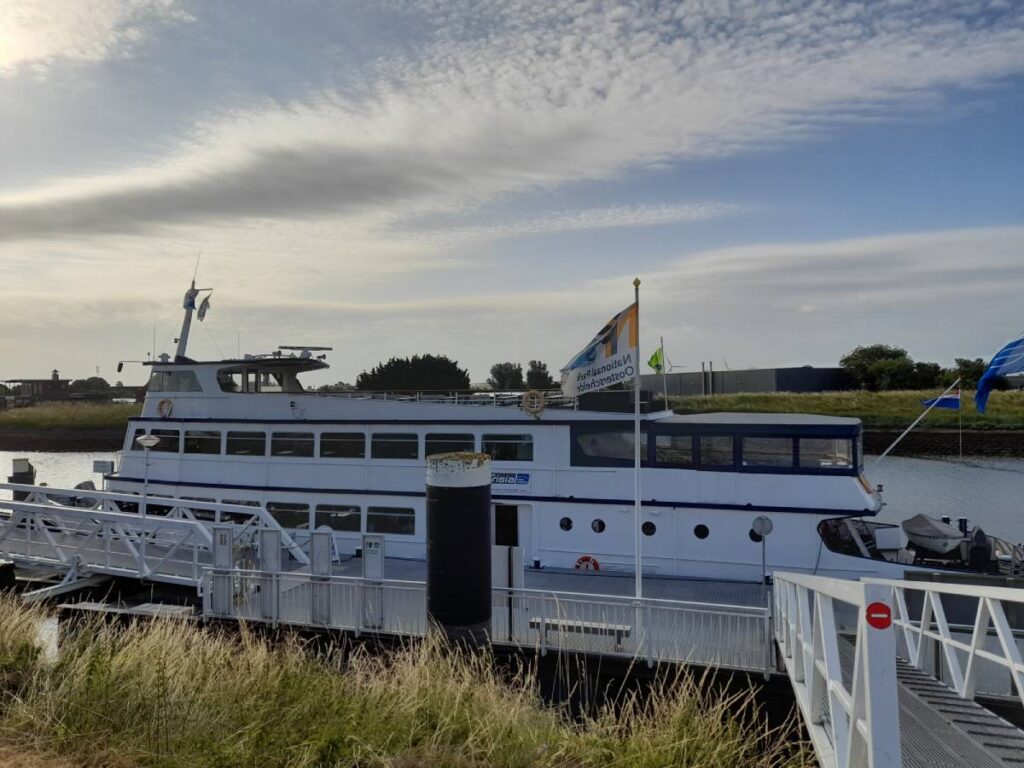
(657,360)
(609,358)
(946,401)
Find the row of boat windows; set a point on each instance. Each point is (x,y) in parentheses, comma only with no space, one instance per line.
(614,447)
(338,445)
(337,517)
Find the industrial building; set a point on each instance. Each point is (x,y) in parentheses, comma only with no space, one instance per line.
(802,379)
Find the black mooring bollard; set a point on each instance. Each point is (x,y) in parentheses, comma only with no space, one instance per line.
(24,473)
(459,545)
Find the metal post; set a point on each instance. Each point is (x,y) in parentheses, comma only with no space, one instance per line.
(636,449)
(142,512)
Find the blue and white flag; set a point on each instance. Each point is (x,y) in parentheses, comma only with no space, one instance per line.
(946,401)
(610,357)
(1008,360)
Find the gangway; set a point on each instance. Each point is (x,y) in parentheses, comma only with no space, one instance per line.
(862,658)
(85,533)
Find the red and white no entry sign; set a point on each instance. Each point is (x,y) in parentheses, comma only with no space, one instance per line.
(879,615)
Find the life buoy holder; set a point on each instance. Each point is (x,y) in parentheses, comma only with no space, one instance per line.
(588,563)
(164,408)
(533,402)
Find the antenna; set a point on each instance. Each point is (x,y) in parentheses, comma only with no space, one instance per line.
(195,272)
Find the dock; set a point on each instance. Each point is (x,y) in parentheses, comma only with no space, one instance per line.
(882,678)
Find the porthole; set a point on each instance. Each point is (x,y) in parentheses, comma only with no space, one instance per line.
(701,531)
(648,528)
(755,536)
(565,523)
(597,526)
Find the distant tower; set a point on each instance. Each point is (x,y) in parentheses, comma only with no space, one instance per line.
(55,376)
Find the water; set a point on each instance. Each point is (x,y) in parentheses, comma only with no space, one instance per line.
(989,491)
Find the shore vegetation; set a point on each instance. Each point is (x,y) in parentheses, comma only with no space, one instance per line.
(175,694)
(878,410)
(70,416)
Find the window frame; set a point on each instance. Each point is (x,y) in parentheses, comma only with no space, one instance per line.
(439,437)
(371,511)
(490,439)
(205,434)
(331,438)
(228,438)
(294,438)
(377,438)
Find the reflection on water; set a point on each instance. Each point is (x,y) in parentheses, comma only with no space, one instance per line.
(989,491)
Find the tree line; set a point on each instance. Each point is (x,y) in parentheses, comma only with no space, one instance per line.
(883,367)
(438,373)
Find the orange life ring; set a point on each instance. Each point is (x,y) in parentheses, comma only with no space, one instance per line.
(164,408)
(588,563)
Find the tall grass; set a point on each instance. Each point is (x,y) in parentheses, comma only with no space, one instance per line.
(70,416)
(876,409)
(172,694)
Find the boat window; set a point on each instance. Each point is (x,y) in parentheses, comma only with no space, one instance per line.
(173,381)
(291,444)
(701,531)
(716,451)
(337,517)
(391,520)
(246,443)
(674,450)
(239,518)
(565,523)
(508,447)
(202,442)
(768,452)
(395,445)
(597,525)
(289,515)
(137,434)
(207,515)
(343,445)
(648,528)
(826,453)
(604,446)
(755,537)
(168,440)
(441,443)
(229,382)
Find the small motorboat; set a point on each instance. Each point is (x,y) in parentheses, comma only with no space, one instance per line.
(932,534)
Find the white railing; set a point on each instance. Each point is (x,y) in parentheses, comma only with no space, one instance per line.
(850,709)
(100,532)
(553,398)
(960,652)
(652,630)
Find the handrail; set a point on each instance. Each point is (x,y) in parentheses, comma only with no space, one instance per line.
(855,726)
(931,624)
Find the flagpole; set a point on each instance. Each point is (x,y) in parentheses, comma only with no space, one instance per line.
(917,421)
(636,446)
(960,419)
(664,366)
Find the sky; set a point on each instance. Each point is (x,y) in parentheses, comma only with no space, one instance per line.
(485,179)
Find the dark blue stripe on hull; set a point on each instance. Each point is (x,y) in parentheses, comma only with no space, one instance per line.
(504,497)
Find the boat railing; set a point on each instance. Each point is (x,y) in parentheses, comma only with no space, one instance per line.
(551,398)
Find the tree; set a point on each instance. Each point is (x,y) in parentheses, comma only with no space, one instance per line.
(340,386)
(878,366)
(91,384)
(417,373)
(506,376)
(970,371)
(926,376)
(537,376)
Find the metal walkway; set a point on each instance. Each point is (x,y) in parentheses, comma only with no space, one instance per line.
(856,655)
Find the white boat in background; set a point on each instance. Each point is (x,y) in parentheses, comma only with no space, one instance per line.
(247,431)
(933,534)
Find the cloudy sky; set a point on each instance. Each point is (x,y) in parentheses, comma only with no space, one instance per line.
(485,179)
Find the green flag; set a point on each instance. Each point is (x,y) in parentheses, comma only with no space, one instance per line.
(657,361)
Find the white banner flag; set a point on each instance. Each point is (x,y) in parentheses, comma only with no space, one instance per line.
(610,357)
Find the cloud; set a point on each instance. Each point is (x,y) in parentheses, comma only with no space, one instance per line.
(508,98)
(36,33)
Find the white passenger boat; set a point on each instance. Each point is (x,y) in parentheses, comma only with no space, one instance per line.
(247,431)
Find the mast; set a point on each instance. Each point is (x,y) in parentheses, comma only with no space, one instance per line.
(189,305)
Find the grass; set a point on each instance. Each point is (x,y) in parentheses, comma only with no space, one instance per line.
(876,409)
(175,695)
(70,416)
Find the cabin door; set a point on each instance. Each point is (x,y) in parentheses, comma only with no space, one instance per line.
(506,525)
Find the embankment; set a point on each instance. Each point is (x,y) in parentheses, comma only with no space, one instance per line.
(57,439)
(946,442)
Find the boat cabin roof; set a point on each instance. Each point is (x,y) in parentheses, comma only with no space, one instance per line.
(264,363)
(764,419)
